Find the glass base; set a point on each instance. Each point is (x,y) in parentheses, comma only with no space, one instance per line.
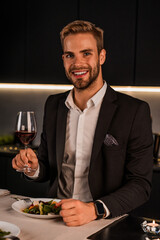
(26,169)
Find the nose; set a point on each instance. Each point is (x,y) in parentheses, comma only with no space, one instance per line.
(78,60)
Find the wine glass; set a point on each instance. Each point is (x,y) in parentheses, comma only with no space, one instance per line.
(26,130)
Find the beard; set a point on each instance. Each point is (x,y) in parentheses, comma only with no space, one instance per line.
(79,83)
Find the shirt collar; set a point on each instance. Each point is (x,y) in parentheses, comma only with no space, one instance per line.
(92,101)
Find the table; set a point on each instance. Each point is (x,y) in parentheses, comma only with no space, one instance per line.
(128,228)
(49,229)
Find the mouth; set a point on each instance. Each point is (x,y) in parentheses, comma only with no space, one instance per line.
(80,73)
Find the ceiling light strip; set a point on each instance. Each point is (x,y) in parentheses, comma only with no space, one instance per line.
(35,86)
(68,87)
(136,89)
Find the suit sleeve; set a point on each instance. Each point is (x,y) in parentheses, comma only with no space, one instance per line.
(43,148)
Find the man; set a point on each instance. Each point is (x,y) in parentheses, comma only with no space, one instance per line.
(96,145)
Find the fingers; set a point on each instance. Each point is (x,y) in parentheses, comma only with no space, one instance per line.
(30,153)
(75,212)
(20,160)
(70,217)
(25,158)
(18,165)
(66,203)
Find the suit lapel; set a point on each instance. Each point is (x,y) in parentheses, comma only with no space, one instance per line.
(61,132)
(106,114)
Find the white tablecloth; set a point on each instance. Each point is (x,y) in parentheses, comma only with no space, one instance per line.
(46,229)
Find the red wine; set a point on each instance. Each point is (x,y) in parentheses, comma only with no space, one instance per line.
(25,137)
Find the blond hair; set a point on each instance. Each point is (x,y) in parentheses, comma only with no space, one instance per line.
(80,26)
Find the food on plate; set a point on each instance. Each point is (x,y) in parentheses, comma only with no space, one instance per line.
(3,233)
(42,208)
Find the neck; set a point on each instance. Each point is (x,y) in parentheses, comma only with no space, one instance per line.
(81,96)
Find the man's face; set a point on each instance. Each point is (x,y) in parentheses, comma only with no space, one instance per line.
(81,60)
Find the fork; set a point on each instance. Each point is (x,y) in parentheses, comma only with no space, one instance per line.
(28,200)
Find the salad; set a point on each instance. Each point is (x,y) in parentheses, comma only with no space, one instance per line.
(3,233)
(42,208)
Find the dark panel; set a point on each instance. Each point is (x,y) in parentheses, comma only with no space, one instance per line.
(12,15)
(126,228)
(118,20)
(148,43)
(45,21)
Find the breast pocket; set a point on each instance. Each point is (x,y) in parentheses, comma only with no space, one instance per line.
(113,147)
(114,153)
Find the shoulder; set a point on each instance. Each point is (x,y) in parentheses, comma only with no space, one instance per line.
(125,104)
(126,100)
(55,98)
(133,104)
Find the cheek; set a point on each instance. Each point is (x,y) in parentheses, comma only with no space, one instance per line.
(66,65)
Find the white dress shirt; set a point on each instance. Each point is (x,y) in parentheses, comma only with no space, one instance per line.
(79,140)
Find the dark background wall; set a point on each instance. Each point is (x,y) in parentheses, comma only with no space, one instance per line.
(31,50)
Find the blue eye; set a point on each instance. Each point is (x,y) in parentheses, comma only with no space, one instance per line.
(69,55)
(87,53)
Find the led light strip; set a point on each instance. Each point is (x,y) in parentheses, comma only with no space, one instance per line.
(68,87)
(35,86)
(136,89)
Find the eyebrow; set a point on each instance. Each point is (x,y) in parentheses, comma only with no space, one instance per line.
(87,50)
(82,51)
(68,52)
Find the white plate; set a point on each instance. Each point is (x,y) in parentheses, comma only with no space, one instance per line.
(9,227)
(20,205)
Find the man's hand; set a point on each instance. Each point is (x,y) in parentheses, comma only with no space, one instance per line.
(76,213)
(25,157)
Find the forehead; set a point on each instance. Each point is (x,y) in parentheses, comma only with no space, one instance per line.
(79,41)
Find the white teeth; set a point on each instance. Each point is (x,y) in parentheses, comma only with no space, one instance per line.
(79,73)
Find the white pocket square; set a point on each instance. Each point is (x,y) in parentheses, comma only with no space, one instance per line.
(110,140)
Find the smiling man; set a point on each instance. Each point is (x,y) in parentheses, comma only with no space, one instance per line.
(82,63)
(96,144)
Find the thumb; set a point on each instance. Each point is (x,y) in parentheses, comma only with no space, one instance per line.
(30,153)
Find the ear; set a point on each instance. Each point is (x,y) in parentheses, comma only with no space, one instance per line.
(102,56)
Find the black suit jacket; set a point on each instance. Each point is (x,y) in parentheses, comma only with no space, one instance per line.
(119,175)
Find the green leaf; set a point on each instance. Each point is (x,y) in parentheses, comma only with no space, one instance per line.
(47,209)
